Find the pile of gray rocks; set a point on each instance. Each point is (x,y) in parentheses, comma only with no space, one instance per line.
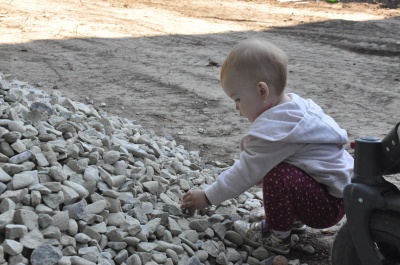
(80,186)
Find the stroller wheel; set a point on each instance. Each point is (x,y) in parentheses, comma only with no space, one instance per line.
(385,232)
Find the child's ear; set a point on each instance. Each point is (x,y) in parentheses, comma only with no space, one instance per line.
(263,89)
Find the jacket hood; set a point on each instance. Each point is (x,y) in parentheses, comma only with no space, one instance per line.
(297,121)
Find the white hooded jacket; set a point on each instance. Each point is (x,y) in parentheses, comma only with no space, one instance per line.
(297,132)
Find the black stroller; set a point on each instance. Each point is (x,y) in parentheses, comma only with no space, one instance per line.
(371,235)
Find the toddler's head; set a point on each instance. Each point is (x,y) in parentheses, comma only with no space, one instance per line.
(257,70)
(257,60)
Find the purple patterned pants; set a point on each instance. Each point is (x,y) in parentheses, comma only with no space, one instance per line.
(290,194)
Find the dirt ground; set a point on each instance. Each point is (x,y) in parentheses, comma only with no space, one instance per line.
(158,62)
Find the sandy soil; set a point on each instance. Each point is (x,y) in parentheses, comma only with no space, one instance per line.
(158,62)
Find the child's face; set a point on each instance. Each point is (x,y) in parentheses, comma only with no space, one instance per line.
(250,100)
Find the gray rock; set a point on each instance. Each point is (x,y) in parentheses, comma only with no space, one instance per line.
(76,210)
(146,246)
(260,253)
(54,200)
(91,173)
(92,233)
(232,254)
(36,198)
(164,246)
(110,157)
(174,227)
(44,209)
(152,225)
(2,260)
(44,220)
(13,169)
(3,130)
(32,239)
(113,205)
(191,235)
(3,157)
(45,255)
(173,209)
(106,176)
(97,207)
(42,107)
(73,227)
(22,180)
(100,227)
(234,237)
(151,186)
(70,195)
(86,251)
(27,218)
(200,225)
(12,247)
(194,260)
(43,190)
(117,246)
(189,251)
(30,132)
(51,232)
(308,249)
(7,205)
(82,238)
(115,219)
(83,193)
(139,214)
(219,230)
(41,160)
(58,174)
(211,247)
(222,259)
(69,251)
(61,220)
(121,257)
(3,187)
(133,260)
(18,146)
(116,235)
(120,167)
(294,262)
(202,255)
(15,195)
(20,158)
(65,260)
(253,261)
(6,149)
(17,126)
(48,152)
(12,136)
(13,231)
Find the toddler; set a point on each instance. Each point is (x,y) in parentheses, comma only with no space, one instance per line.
(292,147)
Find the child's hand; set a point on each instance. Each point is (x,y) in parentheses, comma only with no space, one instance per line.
(194,200)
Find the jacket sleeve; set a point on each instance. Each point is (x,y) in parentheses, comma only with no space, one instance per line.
(256,160)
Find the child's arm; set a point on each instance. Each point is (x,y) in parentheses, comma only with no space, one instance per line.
(195,200)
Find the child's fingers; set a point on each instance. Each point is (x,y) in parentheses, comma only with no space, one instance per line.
(187,205)
(186,195)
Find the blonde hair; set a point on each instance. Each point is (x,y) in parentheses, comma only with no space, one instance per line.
(259,60)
